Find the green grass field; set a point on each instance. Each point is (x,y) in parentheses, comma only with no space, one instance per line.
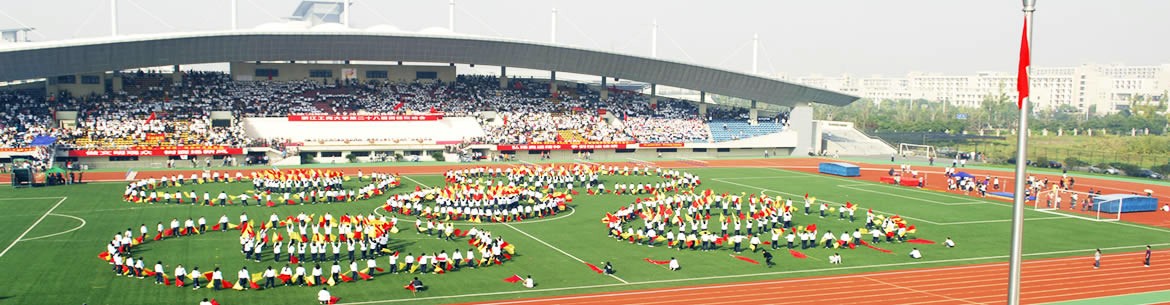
(56,261)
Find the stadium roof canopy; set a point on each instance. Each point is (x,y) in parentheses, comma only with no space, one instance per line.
(52,58)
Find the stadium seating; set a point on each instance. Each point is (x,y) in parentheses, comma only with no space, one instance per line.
(159,110)
(723,130)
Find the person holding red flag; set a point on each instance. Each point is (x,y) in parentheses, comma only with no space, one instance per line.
(323,296)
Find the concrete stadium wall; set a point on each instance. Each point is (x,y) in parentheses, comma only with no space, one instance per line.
(147,162)
(650,154)
(300,71)
(76,87)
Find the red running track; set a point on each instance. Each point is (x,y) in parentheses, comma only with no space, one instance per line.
(1043,281)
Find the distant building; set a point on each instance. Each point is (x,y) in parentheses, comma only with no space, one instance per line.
(1108,87)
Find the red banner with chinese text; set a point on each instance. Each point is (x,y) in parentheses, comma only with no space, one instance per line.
(559,146)
(364,117)
(181,151)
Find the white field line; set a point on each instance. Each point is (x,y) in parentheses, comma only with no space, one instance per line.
(587,162)
(1122,223)
(853,183)
(915,218)
(1000,220)
(415,181)
(1105,297)
(559,250)
(571,211)
(34,225)
(858,188)
(793,194)
(640,161)
(761,178)
(82,225)
(918,291)
(762,283)
(30,198)
(694,160)
(378,211)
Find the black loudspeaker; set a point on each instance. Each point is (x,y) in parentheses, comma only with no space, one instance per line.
(21,177)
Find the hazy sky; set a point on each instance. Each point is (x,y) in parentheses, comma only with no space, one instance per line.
(830,37)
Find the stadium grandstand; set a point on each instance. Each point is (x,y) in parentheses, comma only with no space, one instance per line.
(110,108)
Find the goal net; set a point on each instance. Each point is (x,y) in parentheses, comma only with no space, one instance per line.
(1080,204)
(908,150)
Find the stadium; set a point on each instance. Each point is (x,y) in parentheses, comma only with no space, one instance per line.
(377,166)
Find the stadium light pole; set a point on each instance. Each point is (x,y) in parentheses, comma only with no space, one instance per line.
(755,53)
(113,17)
(552,34)
(1021,157)
(345,13)
(451,16)
(654,39)
(234,14)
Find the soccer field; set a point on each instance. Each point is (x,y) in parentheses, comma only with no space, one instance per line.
(51,237)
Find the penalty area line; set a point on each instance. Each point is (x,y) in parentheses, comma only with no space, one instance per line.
(558,250)
(34,225)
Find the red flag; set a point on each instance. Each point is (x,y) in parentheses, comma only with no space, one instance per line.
(399,106)
(214,302)
(215,227)
(151,118)
(514,279)
(365,276)
(254,286)
(333,300)
(178,282)
(797,254)
(345,278)
(594,267)
(409,287)
(875,248)
(284,278)
(920,241)
(746,259)
(1025,61)
(294,259)
(648,260)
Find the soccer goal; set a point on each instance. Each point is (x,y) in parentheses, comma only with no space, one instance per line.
(1078,202)
(908,150)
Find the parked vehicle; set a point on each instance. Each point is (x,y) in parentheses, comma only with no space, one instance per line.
(1145,173)
(1106,170)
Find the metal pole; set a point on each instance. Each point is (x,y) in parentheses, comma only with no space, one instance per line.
(755,53)
(345,13)
(654,40)
(233,12)
(113,17)
(553,32)
(451,16)
(1017,248)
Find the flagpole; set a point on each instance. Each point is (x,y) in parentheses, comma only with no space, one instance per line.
(1018,199)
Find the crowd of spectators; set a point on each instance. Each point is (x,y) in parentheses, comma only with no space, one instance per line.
(162,112)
